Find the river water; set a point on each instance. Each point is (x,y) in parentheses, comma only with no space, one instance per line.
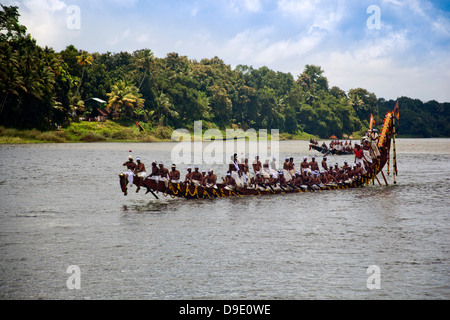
(61,206)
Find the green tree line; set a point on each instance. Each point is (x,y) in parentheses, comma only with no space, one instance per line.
(40,88)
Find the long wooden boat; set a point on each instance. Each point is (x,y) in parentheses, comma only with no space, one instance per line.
(191,191)
(329,151)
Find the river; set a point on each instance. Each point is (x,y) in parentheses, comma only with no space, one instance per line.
(61,206)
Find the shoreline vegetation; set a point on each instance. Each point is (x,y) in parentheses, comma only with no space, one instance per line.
(107,131)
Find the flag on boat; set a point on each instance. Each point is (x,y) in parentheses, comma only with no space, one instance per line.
(396,116)
(372,122)
(396,113)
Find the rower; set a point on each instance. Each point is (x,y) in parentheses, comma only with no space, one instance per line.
(163,172)
(260,181)
(359,169)
(305,178)
(211,179)
(155,171)
(273,179)
(314,181)
(196,177)
(282,180)
(230,182)
(130,168)
(140,172)
(174,174)
(297,179)
(324,177)
(345,166)
(188,175)
(203,181)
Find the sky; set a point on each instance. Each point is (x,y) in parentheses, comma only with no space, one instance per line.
(392,48)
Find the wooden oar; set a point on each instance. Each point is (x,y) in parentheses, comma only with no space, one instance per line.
(378,180)
(150,190)
(382,173)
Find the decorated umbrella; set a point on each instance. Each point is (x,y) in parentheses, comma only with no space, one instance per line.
(333,137)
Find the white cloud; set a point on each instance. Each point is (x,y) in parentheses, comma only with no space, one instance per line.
(442,26)
(45,20)
(252,5)
(44,5)
(246,5)
(120,37)
(385,69)
(313,14)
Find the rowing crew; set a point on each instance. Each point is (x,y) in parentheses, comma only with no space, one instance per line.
(308,179)
(193,177)
(160,173)
(267,176)
(238,175)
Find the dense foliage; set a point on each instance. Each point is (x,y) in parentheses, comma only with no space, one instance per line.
(40,88)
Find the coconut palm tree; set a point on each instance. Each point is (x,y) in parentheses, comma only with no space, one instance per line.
(11,81)
(83,60)
(124,99)
(164,107)
(144,62)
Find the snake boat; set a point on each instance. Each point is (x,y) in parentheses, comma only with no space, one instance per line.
(191,191)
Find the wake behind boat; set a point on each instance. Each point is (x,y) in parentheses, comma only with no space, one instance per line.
(371,157)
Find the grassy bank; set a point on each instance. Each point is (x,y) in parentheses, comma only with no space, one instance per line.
(85,131)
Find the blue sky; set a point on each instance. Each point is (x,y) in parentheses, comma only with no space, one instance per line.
(409,55)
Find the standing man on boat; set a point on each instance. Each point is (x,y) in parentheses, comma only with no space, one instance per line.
(234,164)
(291,166)
(374,142)
(304,166)
(273,164)
(324,163)
(140,172)
(359,155)
(235,171)
(257,165)
(286,164)
(314,165)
